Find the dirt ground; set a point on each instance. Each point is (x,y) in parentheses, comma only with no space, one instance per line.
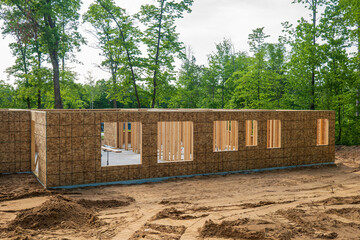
(305,203)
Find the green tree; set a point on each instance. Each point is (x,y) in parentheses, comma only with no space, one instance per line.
(312,32)
(162,42)
(351,15)
(188,94)
(128,37)
(7,96)
(42,20)
(258,48)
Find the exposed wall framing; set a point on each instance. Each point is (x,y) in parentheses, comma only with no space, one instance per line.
(118,135)
(322,132)
(225,136)
(251,133)
(274,134)
(175,141)
(136,132)
(121,144)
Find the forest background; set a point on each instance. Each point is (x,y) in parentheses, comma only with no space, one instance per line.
(314,65)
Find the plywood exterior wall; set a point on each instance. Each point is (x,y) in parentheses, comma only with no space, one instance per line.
(15,141)
(71,143)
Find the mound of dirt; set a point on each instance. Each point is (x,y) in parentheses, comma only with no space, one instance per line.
(104,204)
(21,195)
(230,229)
(172,202)
(341,200)
(159,231)
(175,214)
(166,228)
(255,205)
(57,212)
(349,213)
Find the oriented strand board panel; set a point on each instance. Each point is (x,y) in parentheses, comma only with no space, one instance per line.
(68,142)
(15,141)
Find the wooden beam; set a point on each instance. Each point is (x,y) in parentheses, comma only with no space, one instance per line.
(159,134)
(278,134)
(236,135)
(326,131)
(126,136)
(163,140)
(248,132)
(121,134)
(214,135)
(255,132)
(268,133)
(131,136)
(191,141)
(186,141)
(172,141)
(179,141)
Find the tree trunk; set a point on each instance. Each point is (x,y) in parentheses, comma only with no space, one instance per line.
(222,96)
(113,76)
(23,53)
(127,52)
(39,99)
(53,47)
(357,103)
(56,79)
(312,106)
(157,55)
(358,90)
(339,123)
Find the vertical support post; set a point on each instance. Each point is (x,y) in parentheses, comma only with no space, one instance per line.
(255,132)
(222,136)
(247,133)
(186,141)
(227,128)
(126,136)
(139,138)
(179,141)
(140,141)
(121,134)
(326,131)
(214,135)
(268,133)
(167,143)
(176,141)
(159,140)
(172,143)
(163,140)
(191,140)
(218,136)
(279,133)
(131,136)
(274,133)
(236,130)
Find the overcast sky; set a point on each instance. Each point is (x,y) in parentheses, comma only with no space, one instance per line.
(209,23)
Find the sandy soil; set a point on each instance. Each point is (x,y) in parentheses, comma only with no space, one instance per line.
(307,203)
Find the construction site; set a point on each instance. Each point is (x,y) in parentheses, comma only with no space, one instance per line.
(65,148)
(176,174)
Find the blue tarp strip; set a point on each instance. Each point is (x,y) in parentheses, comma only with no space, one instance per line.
(17,173)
